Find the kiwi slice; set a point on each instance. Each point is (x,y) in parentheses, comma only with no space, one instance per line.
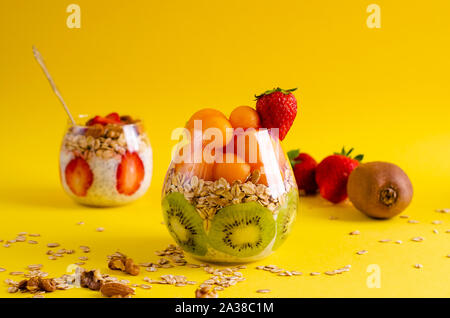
(242,230)
(184,223)
(286,217)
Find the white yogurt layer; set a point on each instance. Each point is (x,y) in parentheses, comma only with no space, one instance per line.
(103,191)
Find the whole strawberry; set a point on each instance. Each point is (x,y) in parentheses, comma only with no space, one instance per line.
(277,108)
(332,175)
(304,167)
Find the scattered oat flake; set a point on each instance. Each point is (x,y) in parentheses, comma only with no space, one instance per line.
(362,252)
(6,245)
(399,242)
(32,242)
(2,269)
(436,222)
(404,216)
(314,273)
(384,240)
(263,291)
(435,231)
(83,258)
(100,229)
(80,263)
(16,273)
(34,234)
(355,232)
(417,239)
(35,266)
(418,265)
(52,244)
(443,210)
(52,258)
(330,273)
(80,223)
(12,289)
(413,221)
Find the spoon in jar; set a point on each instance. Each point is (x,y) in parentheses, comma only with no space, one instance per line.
(40,60)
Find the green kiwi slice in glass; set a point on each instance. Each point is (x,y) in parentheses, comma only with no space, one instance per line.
(184,224)
(242,230)
(286,217)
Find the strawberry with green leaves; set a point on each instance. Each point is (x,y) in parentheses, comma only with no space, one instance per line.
(277,108)
(332,175)
(304,167)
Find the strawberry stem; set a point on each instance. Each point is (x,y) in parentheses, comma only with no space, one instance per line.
(292,155)
(347,154)
(268,92)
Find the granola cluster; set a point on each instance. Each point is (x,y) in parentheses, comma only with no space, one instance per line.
(104,141)
(210,196)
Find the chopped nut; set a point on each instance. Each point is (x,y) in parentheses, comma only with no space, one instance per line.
(92,279)
(116,290)
(123,263)
(206,292)
(48,285)
(131,268)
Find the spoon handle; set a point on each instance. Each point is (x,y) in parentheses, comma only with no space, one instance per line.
(40,60)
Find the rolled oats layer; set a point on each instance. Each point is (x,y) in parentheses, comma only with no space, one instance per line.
(210,196)
(104,141)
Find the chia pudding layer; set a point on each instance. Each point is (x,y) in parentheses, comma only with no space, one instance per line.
(103,191)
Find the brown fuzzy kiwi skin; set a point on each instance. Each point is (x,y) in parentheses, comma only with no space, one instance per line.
(380,190)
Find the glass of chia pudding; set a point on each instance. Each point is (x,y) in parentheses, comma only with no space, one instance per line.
(107,161)
(232,203)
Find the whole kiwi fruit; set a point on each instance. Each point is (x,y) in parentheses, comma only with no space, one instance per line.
(379,189)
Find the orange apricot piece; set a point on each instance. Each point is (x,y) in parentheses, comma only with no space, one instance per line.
(202,170)
(232,171)
(202,114)
(245,117)
(221,128)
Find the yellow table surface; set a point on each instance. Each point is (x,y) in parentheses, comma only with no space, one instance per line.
(383,91)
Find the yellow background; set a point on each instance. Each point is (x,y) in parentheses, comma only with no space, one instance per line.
(383,91)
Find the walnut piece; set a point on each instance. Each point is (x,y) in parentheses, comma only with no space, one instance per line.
(48,284)
(37,284)
(206,292)
(123,263)
(92,279)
